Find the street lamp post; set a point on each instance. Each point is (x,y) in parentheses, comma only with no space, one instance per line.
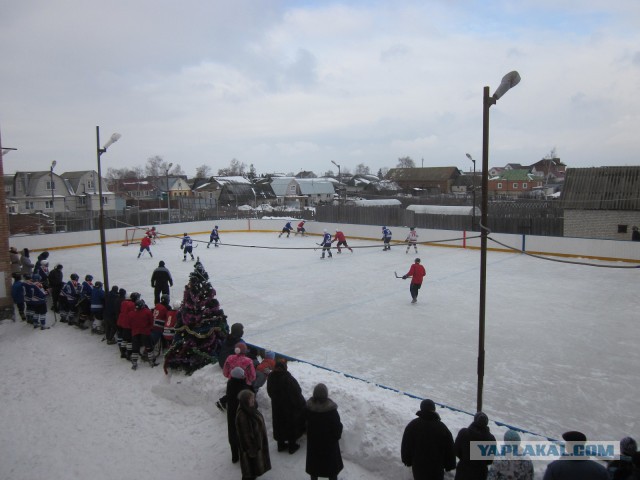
(509,81)
(103,244)
(473,190)
(339,181)
(168,194)
(53,205)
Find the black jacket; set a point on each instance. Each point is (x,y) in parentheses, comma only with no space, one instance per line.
(472,469)
(234,387)
(112,306)
(427,447)
(55,278)
(324,429)
(287,406)
(161,278)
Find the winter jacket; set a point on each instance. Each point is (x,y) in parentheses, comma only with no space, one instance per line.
(71,292)
(324,430)
(575,470)
(234,387)
(42,256)
(26,265)
(511,470)
(97,299)
(38,294)
(17,291)
(112,306)
(468,469)
(227,348)
(159,316)
(16,266)
(55,278)
(243,362)
(252,442)
(417,273)
(161,278)
(287,406)
(126,307)
(141,320)
(427,447)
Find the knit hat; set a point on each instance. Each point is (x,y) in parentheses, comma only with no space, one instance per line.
(320,392)
(281,365)
(237,372)
(628,446)
(481,419)
(240,348)
(511,436)
(574,436)
(427,405)
(270,354)
(13,250)
(237,330)
(161,264)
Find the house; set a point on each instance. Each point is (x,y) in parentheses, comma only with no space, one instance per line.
(316,191)
(514,183)
(551,169)
(359,183)
(434,180)
(85,186)
(602,202)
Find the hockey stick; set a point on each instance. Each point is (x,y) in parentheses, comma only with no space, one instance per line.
(396,274)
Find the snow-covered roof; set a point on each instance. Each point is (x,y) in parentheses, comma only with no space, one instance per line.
(234,179)
(378,203)
(315,186)
(443,209)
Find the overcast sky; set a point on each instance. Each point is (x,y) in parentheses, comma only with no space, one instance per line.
(292,85)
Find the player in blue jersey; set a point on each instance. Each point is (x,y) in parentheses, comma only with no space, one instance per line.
(326,244)
(187,247)
(214,237)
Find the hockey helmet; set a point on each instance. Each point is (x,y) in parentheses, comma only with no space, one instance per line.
(88,278)
(185,234)
(35,277)
(44,262)
(26,276)
(176,305)
(74,276)
(216,226)
(59,267)
(98,284)
(384,227)
(134,296)
(325,230)
(140,304)
(164,299)
(122,292)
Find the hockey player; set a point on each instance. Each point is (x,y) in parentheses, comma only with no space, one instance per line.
(84,302)
(43,271)
(160,312)
(326,244)
(124,325)
(152,234)
(141,322)
(416,273)
(39,302)
(342,241)
(97,308)
(187,247)
(386,238)
(171,323)
(286,229)
(300,230)
(144,245)
(412,239)
(68,302)
(17,294)
(214,237)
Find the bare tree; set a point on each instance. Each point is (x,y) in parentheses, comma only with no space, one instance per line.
(176,170)
(156,166)
(362,169)
(406,162)
(329,173)
(382,172)
(236,168)
(203,171)
(252,172)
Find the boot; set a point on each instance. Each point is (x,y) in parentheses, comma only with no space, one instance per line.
(282,446)
(123,352)
(293,447)
(134,364)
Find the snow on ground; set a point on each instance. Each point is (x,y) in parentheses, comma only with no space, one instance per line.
(561,347)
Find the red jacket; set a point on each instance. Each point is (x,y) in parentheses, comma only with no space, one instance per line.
(159,317)
(145,242)
(141,321)
(126,307)
(417,272)
(170,325)
(339,237)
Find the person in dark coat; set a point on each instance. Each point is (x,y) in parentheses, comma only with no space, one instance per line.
(56,284)
(26,264)
(575,469)
(14,258)
(253,444)
(110,313)
(324,430)
(161,281)
(478,431)
(622,469)
(43,256)
(287,407)
(235,385)
(427,445)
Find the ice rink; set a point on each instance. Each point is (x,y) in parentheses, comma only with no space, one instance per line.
(561,339)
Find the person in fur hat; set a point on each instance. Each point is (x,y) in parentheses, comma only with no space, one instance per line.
(253,444)
(324,430)
(287,407)
(478,431)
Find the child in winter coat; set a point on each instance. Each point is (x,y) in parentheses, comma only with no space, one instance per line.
(240,359)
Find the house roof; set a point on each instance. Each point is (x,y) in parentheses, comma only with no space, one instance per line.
(315,186)
(514,175)
(426,174)
(602,188)
(280,184)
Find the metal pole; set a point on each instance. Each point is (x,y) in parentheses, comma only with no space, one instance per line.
(473,222)
(103,243)
(53,205)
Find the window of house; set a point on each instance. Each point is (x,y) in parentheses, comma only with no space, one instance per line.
(292,189)
(51,185)
(524,185)
(622,228)
(515,186)
(48,205)
(105,200)
(91,184)
(82,200)
(12,209)
(499,186)
(28,205)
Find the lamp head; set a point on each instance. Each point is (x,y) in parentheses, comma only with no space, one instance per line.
(53,164)
(335,163)
(469,157)
(114,138)
(509,81)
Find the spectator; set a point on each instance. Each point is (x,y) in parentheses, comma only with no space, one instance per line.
(253,444)
(240,359)
(287,407)
(26,265)
(575,469)
(235,385)
(264,369)
(56,283)
(478,431)
(14,258)
(110,313)
(511,469)
(324,431)
(97,308)
(622,469)
(427,444)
